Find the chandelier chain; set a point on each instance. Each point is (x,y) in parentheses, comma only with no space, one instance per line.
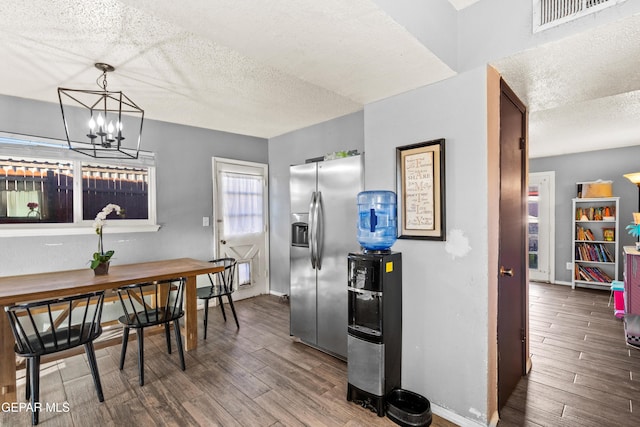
(104,81)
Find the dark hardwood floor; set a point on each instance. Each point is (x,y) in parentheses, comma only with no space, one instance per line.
(257,376)
(583,374)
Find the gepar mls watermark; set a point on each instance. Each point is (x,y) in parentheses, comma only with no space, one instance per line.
(38,406)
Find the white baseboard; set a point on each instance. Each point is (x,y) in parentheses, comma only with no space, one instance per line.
(276,293)
(562,282)
(455,418)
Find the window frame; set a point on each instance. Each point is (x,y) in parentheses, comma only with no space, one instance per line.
(26,146)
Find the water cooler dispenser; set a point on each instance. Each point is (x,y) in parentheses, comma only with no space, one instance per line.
(374,340)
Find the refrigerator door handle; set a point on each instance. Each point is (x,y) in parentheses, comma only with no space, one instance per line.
(312,230)
(319,238)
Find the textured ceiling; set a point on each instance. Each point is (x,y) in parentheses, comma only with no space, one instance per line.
(264,68)
(583,92)
(250,67)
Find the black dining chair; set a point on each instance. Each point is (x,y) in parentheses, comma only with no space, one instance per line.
(221,285)
(151,304)
(51,326)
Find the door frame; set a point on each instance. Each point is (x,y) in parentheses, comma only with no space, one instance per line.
(551,243)
(215,161)
(493,221)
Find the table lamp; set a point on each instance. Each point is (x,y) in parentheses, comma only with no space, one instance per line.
(635,178)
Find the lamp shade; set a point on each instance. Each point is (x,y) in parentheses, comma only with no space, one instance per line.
(633,177)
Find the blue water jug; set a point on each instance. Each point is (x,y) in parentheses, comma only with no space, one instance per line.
(377,220)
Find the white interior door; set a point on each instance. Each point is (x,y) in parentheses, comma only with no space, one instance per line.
(541,226)
(241,222)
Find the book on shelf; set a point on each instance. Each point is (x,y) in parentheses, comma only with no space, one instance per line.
(593,213)
(597,252)
(608,253)
(584,234)
(591,274)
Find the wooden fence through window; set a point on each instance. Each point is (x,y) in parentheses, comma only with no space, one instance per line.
(128,189)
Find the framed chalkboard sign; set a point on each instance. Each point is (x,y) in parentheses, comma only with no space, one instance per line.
(420,189)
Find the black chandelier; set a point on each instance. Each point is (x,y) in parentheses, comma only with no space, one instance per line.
(101,132)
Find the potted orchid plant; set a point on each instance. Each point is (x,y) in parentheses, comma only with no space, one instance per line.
(100,261)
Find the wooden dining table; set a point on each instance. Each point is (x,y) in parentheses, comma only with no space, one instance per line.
(32,287)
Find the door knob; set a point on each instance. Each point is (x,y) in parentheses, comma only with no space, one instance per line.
(224,242)
(506,272)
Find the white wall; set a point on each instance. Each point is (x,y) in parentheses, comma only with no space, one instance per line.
(494,29)
(434,23)
(487,30)
(445,297)
(343,133)
(184,193)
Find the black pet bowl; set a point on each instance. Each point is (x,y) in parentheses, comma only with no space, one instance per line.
(408,409)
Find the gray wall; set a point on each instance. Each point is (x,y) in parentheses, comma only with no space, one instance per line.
(445,284)
(343,133)
(184,193)
(589,166)
(436,282)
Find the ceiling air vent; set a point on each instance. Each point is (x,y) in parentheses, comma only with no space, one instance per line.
(549,13)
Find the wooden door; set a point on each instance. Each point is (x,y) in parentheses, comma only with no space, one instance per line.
(512,251)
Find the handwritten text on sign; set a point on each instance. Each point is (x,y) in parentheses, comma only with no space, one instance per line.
(418,176)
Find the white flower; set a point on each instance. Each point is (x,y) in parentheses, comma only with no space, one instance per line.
(110,208)
(98,223)
(101,217)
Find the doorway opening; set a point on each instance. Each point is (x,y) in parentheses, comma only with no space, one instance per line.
(541,226)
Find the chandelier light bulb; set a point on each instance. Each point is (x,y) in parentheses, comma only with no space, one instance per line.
(92,124)
(110,139)
(100,120)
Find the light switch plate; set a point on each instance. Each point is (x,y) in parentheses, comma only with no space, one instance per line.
(205,221)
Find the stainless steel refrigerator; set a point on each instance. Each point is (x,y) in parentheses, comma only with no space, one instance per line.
(324,216)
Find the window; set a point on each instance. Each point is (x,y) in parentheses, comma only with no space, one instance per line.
(35,191)
(124,186)
(244,272)
(52,195)
(242,204)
